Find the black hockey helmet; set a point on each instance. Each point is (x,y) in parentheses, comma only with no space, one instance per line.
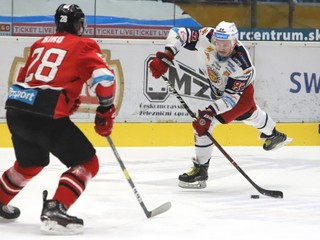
(70,18)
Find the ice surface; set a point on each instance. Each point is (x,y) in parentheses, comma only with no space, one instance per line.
(222,211)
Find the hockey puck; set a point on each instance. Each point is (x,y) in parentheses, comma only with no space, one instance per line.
(255,196)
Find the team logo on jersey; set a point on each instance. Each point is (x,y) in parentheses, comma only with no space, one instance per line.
(88,99)
(213,76)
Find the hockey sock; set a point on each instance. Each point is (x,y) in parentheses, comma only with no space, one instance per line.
(14,180)
(73,182)
(203,149)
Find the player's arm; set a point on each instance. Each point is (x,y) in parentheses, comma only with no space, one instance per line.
(102,83)
(104,87)
(177,39)
(188,38)
(181,37)
(100,77)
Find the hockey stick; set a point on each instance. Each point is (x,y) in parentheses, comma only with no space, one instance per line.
(161,209)
(270,193)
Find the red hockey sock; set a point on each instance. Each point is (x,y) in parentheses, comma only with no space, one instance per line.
(13,181)
(74,181)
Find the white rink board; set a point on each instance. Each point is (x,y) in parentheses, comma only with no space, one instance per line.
(287,84)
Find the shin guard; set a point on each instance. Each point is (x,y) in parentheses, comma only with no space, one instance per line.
(14,180)
(73,182)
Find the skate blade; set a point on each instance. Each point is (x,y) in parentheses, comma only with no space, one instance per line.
(53,228)
(286,142)
(194,185)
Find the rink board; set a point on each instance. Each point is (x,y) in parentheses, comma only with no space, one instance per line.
(149,115)
(181,134)
(289,93)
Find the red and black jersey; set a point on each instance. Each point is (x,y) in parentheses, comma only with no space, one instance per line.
(55,72)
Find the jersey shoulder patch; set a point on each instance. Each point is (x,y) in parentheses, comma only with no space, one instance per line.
(207,32)
(241,58)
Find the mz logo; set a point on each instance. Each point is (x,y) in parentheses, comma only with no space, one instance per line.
(185,80)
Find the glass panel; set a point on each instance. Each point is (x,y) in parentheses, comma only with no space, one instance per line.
(152,19)
(5,18)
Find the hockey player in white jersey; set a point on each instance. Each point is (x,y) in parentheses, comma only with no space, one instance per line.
(229,70)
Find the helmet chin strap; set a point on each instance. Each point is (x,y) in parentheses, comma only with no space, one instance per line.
(81,31)
(81,26)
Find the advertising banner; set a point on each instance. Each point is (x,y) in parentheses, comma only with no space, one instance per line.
(280,34)
(100,31)
(287,84)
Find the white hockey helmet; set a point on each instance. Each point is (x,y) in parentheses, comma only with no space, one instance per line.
(226,31)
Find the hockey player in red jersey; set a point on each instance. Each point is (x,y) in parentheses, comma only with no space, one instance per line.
(226,64)
(38,108)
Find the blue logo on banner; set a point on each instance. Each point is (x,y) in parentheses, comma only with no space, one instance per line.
(310,82)
(23,95)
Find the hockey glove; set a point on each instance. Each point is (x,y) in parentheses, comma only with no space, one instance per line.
(160,64)
(104,120)
(75,106)
(202,124)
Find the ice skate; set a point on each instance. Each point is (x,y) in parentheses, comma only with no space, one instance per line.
(55,219)
(274,141)
(196,178)
(9,212)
